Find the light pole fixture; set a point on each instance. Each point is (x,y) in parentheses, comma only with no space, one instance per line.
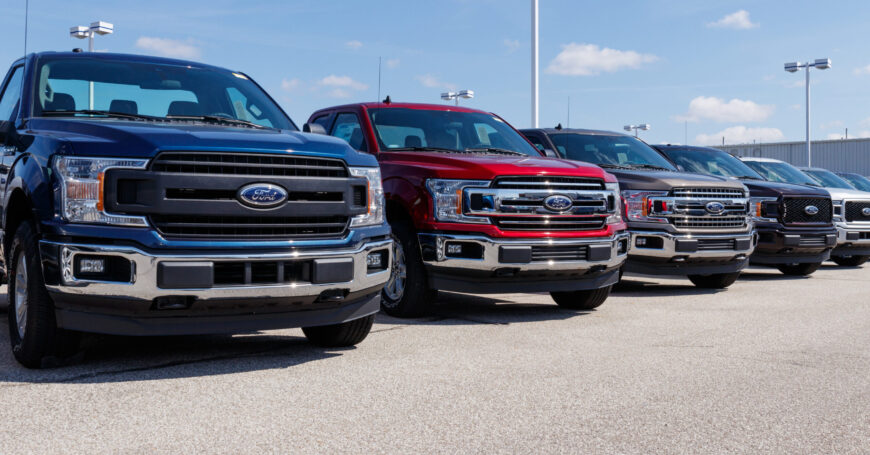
(96,28)
(642,126)
(467,94)
(793,67)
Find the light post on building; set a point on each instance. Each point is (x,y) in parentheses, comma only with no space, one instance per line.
(819,63)
(82,32)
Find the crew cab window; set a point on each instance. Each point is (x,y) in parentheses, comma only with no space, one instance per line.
(11,94)
(536,141)
(68,86)
(347,127)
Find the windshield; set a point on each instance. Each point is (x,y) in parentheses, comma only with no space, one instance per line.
(604,150)
(777,171)
(712,162)
(828,179)
(95,87)
(858,181)
(422,130)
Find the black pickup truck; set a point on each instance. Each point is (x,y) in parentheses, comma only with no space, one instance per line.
(150,196)
(794,222)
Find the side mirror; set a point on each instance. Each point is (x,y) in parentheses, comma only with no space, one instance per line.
(681,168)
(315,128)
(551,153)
(7,131)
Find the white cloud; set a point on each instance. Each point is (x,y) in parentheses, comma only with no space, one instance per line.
(393,63)
(289,85)
(431,81)
(353,44)
(852,135)
(590,59)
(739,21)
(719,110)
(341,86)
(834,136)
(512,44)
(168,47)
(865,123)
(830,125)
(862,70)
(740,135)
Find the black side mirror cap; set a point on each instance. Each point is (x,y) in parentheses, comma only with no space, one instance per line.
(681,168)
(551,153)
(313,128)
(7,131)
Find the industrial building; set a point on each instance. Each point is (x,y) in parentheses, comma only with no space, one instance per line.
(842,155)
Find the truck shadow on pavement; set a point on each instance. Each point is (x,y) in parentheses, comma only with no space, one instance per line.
(453,308)
(106,359)
(637,287)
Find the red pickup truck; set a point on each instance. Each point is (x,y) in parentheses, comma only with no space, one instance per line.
(474,207)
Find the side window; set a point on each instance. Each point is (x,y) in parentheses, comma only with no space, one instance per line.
(243,110)
(536,141)
(347,127)
(11,94)
(323,121)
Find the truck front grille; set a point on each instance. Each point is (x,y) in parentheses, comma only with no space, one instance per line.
(689,208)
(247,164)
(854,210)
(709,193)
(558,253)
(794,210)
(550,183)
(715,244)
(813,240)
(248,227)
(546,223)
(711,222)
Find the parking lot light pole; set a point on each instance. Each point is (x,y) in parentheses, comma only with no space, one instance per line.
(82,32)
(819,63)
(642,126)
(467,94)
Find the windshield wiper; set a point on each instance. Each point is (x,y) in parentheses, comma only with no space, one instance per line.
(423,149)
(648,166)
(612,166)
(747,177)
(500,151)
(217,119)
(101,112)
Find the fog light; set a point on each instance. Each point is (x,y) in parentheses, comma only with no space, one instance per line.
(622,247)
(374,260)
(641,241)
(92,265)
(454,248)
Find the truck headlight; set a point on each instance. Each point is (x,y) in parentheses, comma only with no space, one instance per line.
(616,216)
(838,210)
(447,199)
(638,206)
(81,189)
(765,209)
(375,214)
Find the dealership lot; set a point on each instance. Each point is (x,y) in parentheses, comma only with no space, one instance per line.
(772,365)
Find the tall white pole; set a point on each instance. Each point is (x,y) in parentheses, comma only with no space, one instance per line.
(809,150)
(534,63)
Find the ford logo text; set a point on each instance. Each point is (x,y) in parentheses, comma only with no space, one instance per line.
(558,203)
(715,208)
(811,210)
(262,195)
(865,211)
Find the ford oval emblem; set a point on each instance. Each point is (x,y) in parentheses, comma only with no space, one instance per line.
(262,195)
(811,210)
(715,207)
(865,211)
(558,203)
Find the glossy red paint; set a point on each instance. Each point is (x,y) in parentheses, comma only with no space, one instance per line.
(405,174)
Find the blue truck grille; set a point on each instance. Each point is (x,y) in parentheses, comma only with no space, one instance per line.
(234,227)
(247,164)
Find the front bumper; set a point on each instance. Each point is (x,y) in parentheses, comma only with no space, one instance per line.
(852,240)
(778,244)
(169,293)
(488,265)
(668,253)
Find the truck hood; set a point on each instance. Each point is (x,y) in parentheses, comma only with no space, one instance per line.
(763,188)
(665,180)
(487,167)
(118,138)
(842,193)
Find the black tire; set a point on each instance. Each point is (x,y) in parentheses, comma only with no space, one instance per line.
(581,300)
(340,335)
(38,340)
(413,297)
(714,281)
(802,269)
(851,261)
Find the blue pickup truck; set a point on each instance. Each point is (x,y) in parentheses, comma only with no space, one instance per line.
(151,196)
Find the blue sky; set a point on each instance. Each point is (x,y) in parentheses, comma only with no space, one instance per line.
(716,66)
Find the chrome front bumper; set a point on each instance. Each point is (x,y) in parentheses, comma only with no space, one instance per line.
(143,282)
(692,245)
(852,234)
(603,253)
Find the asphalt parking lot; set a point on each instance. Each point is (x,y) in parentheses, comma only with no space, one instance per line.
(772,365)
